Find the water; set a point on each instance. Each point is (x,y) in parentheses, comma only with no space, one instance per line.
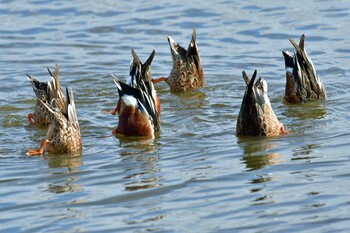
(197,176)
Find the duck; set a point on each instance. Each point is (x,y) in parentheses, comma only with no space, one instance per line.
(138,106)
(302,81)
(256,116)
(63,135)
(45,93)
(187,72)
(146,75)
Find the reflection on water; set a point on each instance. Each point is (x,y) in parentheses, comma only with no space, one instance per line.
(192,100)
(261,179)
(192,171)
(131,146)
(311,110)
(141,173)
(68,185)
(140,164)
(264,196)
(257,152)
(156,216)
(304,152)
(69,161)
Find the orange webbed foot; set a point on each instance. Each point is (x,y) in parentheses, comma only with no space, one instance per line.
(33,152)
(283,131)
(30,118)
(109,112)
(115,110)
(157,80)
(40,151)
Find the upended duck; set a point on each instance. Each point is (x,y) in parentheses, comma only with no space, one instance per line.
(45,93)
(256,116)
(63,135)
(138,106)
(186,73)
(302,82)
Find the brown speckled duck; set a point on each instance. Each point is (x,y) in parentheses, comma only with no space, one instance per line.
(45,93)
(63,135)
(138,105)
(302,81)
(187,72)
(256,117)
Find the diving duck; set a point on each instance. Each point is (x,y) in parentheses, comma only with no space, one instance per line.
(146,76)
(187,72)
(63,135)
(256,117)
(45,93)
(302,81)
(138,106)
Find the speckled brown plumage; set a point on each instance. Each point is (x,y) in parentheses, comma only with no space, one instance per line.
(186,73)
(302,82)
(64,130)
(63,135)
(49,93)
(256,116)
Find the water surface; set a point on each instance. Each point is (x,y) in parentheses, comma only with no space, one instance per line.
(196,176)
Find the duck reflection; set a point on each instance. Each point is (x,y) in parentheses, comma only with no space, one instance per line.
(309,110)
(136,145)
(67,186)
(71,162)
(193,99)
(140,162)
(256,152)
(305,152)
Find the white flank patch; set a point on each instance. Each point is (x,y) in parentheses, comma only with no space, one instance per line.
(263,93)
(129,100)
(266,97)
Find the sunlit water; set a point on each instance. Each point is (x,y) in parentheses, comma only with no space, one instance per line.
(196,176)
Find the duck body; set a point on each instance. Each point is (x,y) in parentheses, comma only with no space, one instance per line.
(64,130)
(63,135)
(45,93)
(138,105)
(256,116)
(302,81)
(187,72)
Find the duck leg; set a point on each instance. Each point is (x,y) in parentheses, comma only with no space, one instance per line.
(30,118)
(111,112)
(283,131)
(39,151)
(116,109)
(157,80)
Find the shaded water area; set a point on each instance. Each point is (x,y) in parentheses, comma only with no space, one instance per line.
(196,175)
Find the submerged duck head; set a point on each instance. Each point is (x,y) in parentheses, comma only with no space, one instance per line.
(302,81)
(256,117)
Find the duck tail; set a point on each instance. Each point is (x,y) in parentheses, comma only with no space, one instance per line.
(39,88)
(55,94)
